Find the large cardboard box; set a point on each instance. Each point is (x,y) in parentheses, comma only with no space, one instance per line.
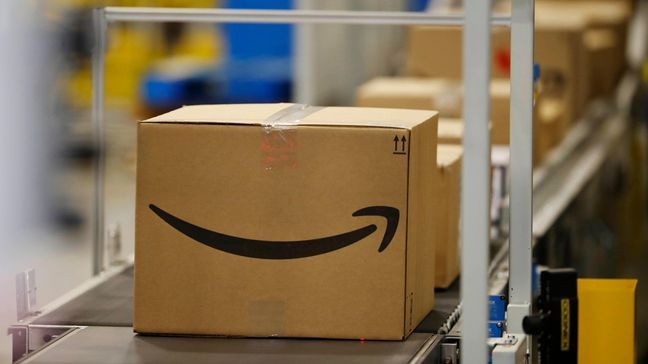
(446,214)
(444,95)
(278,220)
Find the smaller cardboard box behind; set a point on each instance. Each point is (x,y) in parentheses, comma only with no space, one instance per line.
(284,220)
(444,95)
(446,214)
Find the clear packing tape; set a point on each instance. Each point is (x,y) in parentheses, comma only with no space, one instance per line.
(289,117)
(279,144)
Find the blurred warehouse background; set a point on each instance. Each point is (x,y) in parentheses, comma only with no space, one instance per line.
(47,149)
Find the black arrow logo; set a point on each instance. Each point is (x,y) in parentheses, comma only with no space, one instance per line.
(285,249)
(395,143)
(403,140)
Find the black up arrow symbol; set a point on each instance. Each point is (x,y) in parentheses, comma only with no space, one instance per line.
(402,140)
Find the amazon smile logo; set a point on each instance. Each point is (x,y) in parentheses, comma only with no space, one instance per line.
(263,249)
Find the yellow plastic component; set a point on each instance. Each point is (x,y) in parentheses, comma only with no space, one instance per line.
(131,50)
(200,41)
(606,321)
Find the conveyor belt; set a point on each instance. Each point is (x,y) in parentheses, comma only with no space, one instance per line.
(108,304)
(106,311)
(120,345)
(111,304)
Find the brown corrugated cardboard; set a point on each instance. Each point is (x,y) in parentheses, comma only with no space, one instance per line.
(604,39)
(450,131)
(446,214)
(275,220)
(559,49)
(434,51)
(443,95)
(500,93)
(439,94)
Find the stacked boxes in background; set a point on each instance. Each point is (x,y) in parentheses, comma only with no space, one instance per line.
(285,220)
(436,52)
(579,47)
(604,38)
(444,95)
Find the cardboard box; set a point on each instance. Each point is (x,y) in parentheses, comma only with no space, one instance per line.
(604,38)
(434,51)
(443,95)
(559,49)
(446,214)
(450,131)
(440,94)
(563,60)
(606,321)
(278,220)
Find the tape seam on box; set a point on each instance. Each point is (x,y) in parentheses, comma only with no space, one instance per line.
(289,117)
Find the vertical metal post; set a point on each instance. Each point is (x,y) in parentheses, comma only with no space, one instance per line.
(98,57)
(475,188)
(304,50)
(521,135)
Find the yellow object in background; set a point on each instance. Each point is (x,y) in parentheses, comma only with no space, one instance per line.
(133,49)
(606,321)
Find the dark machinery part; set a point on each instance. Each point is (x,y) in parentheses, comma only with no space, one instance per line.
(556,323)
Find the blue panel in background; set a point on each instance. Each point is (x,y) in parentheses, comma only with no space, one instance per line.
(256,66)
(418,5)
(254,80)
(245,41)
(162,91)
(535,289)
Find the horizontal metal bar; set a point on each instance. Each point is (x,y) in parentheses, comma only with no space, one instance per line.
(213,15)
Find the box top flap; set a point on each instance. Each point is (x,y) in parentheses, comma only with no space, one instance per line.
(369,116)
(410,86)
(407,86)
(234,113)
(450,127)
(605,12)
(294,114)
(448,154)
